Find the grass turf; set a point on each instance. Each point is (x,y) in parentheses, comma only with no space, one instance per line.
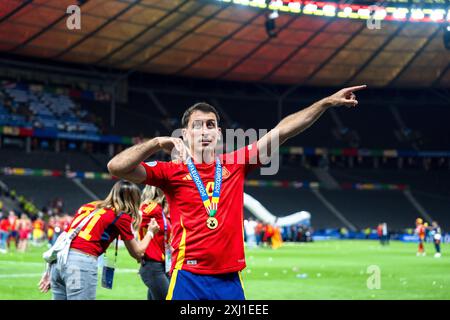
(320,270)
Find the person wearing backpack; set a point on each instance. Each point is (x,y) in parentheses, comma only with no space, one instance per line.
(73,275)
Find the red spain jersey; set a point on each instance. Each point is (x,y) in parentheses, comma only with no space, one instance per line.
(420,230)
(13,223)
(197,248)
(89,238)
(156,250)
(4,225)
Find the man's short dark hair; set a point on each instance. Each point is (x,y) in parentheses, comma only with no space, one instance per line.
(200,106)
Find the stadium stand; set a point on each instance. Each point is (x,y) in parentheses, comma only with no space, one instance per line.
(41,190)
(438,206)
(76,161)
(24,107)
(8,204)
(432,125)
(369,208)
(433,181)
(100,188)
(286,172)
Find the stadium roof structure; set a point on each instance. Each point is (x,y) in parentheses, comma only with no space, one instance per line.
(227,39)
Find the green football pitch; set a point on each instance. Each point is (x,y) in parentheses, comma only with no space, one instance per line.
(322,270)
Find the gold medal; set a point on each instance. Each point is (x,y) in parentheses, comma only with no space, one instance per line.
(212,223)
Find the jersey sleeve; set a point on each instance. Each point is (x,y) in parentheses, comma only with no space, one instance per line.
(124,227)
(156,173)
(247,156)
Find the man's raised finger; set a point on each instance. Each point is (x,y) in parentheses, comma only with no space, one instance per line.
(355,88)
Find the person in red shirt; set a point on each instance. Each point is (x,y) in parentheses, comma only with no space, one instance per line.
(208,236)
(420,231)
(156,261)
(268,233)
(115,216)
(38,229)
(24,228)
(259,233)
(380,233)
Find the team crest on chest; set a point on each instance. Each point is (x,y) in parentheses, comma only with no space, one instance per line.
(225,173)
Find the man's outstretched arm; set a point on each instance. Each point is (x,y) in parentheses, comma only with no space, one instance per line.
(297,122)
(126,165)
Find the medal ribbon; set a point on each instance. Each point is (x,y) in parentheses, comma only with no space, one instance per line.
(210,205)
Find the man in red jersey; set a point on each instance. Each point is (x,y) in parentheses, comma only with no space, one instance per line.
(208,237)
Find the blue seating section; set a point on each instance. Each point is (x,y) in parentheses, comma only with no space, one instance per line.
(43,110)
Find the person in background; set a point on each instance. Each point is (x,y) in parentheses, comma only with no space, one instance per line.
(13,233)
(380,233)
(24,228)
(367,233)
(286,233)
(250,230)
(276,239)
(38,229)
(343,233)
(4,233)
(294,233)
(156,261)
(259,233)
(420,232)
(268,233)
(427,232)
(436,233)
(309,234)
(385,233)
